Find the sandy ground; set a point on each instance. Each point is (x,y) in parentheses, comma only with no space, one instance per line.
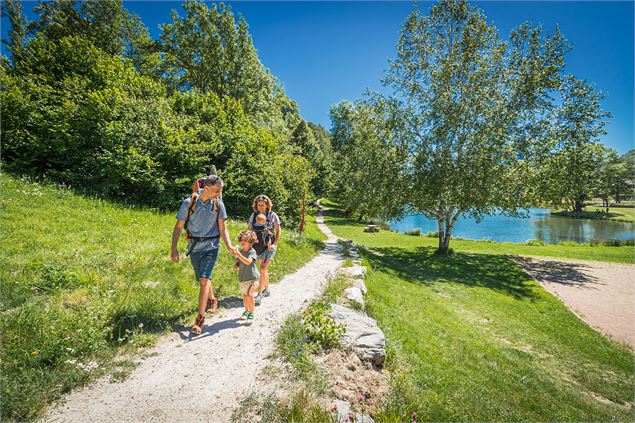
(199,379)
(600,293)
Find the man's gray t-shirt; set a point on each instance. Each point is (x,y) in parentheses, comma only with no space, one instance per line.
(248,272)
(203,222)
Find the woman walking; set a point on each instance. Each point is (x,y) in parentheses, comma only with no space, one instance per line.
(270,235)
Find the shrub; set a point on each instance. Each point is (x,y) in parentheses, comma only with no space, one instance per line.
(323,331)
(414,232)
(535,243)
(613,242)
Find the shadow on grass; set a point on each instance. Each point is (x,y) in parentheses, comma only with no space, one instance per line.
(496,272)
(556,271)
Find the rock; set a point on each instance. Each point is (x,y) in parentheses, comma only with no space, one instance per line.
(362,333)
(354,294)
(344,414)
(356,272)
(358,283)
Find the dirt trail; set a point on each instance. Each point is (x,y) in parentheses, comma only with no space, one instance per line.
(199,379)
(600,293)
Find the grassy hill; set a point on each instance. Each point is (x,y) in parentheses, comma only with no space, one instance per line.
(85,280)
(471,337)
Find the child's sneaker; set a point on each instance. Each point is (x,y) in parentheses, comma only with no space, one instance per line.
(258,299)
(244,316)
(265,292)
(250,318)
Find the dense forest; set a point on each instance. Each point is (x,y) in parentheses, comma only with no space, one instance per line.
(90,100)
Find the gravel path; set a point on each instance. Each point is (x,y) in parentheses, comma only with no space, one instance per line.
(199,379)
(600,293)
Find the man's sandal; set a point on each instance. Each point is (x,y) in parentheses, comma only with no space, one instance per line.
(197,328)
(212,305)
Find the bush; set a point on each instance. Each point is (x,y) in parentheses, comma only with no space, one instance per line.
(434,234)
(414,232)
(613,242)
(76,115)
(323,331)
(535,243)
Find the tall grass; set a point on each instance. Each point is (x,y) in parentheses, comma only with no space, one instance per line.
(84,279)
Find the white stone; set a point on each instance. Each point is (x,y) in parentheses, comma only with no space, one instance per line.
(362,333)
(358,283)
(344,414)
(354,294)
(356,272)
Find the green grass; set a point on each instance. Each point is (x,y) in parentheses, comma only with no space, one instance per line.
(620,214)
(352,229)
(470,337)
(84,280)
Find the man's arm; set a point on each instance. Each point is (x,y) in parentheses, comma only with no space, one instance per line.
(176,234)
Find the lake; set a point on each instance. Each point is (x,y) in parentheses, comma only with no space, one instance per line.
(540,225)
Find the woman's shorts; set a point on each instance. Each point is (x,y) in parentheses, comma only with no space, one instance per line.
(203,262)
(247,285)
(267,255)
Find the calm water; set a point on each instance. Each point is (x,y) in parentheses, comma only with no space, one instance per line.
(539,225)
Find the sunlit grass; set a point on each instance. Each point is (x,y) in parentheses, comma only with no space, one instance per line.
(83,278)
(471,337)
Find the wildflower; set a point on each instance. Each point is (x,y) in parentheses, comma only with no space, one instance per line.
(140,325)
(362,397)
(34,353)
(414,417)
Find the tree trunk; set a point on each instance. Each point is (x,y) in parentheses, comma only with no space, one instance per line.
(441,233)
(445,231)
(577,207)
(617,195)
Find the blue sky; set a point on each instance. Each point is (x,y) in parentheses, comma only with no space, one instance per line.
(325,52)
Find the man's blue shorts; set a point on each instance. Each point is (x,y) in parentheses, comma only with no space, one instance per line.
(203,262)
(267,255)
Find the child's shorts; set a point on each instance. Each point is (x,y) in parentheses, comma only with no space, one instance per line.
(247,285)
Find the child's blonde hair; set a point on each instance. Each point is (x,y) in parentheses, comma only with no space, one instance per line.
(261,217)
(248,236)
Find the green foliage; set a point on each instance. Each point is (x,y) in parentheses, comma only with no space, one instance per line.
(335,287)
(613,242)
(570,172)
(322,330)
(466,117)
(91,101)
(369,179)
(414,232)
(211,51)
(303,405)
(535,242)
